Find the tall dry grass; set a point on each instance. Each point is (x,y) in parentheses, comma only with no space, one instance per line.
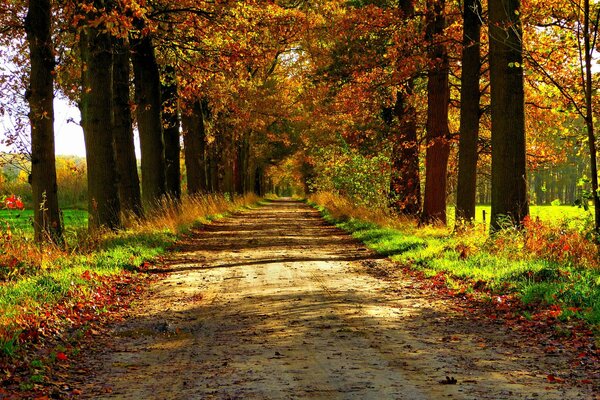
(342,208)
(176,216)
(20,256)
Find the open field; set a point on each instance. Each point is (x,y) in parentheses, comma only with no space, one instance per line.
(21,221)
(575,215)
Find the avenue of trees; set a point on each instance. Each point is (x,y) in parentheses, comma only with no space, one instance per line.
(406,104)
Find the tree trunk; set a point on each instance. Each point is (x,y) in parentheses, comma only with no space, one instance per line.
(148,112)
(405,184)
(96,112)
(170,117)
(242,165)
(259,184)
(469,113)
(537,187)
(128,178)
(40,95)
(589,115)
(194,140)
(224,149)
(509,183)
(438,95)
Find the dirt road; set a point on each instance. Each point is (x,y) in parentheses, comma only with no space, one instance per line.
(275,304)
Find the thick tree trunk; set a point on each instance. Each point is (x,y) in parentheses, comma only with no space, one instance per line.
(242,165)
(148,112)
(438,96)
(128,178)
(225,159)
(47,223)
(509,183)
(170,112)
(405,184)
(194,144)
(469,113)
(96,113)
(259,181)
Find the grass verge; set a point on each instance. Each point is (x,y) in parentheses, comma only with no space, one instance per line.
(45,290)
(550,270)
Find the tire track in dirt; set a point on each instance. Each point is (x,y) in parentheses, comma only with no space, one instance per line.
(273,303)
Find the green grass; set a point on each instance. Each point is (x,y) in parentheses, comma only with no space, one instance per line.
(47,288)
(572,214)
(537,282)
(62,275)
(22,221)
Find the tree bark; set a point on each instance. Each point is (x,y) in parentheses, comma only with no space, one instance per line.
(170,115)
(438,95)
(148,113)
(212,154)
(469,113)
(509,183)
(589,112)
(259,181)
(194,141)
(96,112)
(405,184)
(40,95)
(128,178)
(242,165)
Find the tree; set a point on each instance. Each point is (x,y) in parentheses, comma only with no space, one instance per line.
(469,112)
(170,116)
(590,31)
(96,116)
(405,183)
(47,223)
(194,139)
(438,135)
(148,112)
(128,179)
(509,183)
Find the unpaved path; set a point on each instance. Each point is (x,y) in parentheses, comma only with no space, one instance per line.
(275,304)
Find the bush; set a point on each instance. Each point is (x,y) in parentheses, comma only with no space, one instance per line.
(364,180)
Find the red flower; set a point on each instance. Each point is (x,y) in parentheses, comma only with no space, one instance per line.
(13,202)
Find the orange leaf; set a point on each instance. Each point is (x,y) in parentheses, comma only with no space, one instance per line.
(554,379)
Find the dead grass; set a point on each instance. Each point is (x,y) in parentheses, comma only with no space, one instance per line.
(176,216)
(341,208)
(21,257)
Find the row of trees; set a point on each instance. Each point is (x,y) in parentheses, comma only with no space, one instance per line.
(251,83)
(206,69)
(458,78)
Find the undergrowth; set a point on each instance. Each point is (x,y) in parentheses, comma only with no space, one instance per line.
(36,281)
(545,265)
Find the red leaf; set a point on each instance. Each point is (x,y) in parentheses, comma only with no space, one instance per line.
(554,379)
(61,356)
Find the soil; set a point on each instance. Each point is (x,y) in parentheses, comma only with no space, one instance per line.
(274,303)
